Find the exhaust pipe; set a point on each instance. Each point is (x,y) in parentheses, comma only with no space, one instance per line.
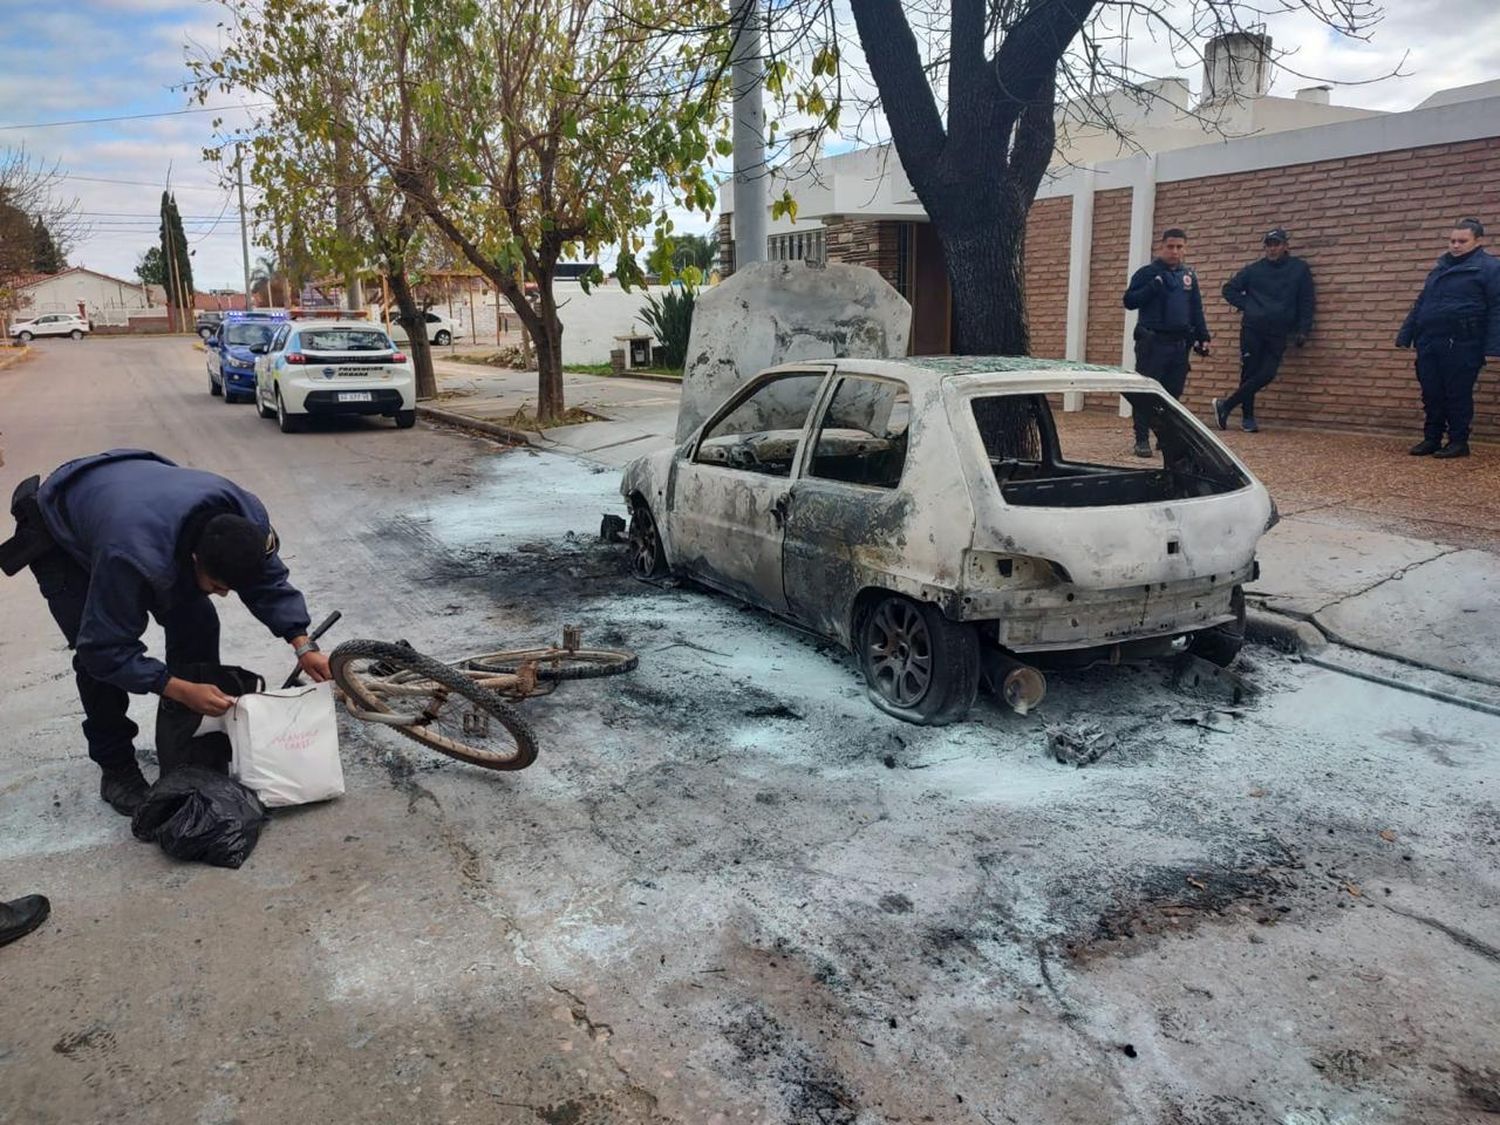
(1020,686)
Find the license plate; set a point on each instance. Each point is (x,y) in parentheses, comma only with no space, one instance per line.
(356,396)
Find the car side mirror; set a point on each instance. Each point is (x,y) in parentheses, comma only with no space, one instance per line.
(259,349)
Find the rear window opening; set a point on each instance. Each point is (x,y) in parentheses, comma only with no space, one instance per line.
(344,340)
(1090,466)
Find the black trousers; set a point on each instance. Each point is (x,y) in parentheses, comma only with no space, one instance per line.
(1165,359)
(1447,371)
(192,637)
(1260,359)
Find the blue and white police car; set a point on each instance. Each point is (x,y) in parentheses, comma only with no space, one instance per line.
(313,368)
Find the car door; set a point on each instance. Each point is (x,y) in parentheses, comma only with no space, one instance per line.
(846,509)
(45,326)
(265,379)
(726,501)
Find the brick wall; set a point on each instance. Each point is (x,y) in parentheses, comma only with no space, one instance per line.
(1370,227)
(1108,269)
(1048,231)
(863,242)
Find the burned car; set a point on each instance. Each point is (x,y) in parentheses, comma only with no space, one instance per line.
(922,512)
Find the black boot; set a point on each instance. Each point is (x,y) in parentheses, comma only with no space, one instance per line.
(124,788)
(20,917)
(1453,449)
(1424,447)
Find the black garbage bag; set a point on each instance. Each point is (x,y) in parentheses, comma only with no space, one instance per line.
(178,742)
(198,813)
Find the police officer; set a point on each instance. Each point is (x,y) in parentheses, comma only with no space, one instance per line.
(1454,325)
(1171,321)
(1275,299)
(117,536)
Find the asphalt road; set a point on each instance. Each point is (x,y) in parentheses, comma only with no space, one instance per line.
(729,890)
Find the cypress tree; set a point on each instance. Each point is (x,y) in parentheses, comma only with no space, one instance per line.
(175,260)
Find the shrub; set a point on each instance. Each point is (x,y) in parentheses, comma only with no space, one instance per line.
(670,318)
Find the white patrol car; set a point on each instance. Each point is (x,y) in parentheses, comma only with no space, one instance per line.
(321,367)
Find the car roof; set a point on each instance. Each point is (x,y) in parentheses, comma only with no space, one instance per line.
(979,371)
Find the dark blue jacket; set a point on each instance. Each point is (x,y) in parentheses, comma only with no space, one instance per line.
(1169,301)
(120,515)
(1275,297)
(1460,299)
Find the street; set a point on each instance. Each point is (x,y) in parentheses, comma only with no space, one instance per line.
(730,889)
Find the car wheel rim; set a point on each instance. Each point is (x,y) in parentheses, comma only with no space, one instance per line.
(900,652)
(643,543)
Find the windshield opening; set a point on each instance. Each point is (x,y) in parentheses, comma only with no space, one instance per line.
(1042,457)
(246,334)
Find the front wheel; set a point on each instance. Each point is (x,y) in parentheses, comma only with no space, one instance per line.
(556,664)
(647,557)
(439,707)
(443,338)
(919,666)
(406,419)
(289,423)
(214,388)
(26,337)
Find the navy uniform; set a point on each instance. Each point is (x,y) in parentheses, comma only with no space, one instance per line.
(1454,325)
(119,525)
(1171,321)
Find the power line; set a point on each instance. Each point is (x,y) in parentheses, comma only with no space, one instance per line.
(131,117)
(140,183)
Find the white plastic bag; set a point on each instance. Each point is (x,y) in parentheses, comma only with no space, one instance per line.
(286,745)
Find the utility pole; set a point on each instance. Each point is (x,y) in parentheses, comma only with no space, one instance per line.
(750,172)
(239,161)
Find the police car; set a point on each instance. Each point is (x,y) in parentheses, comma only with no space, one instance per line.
(231,362)
(312,368)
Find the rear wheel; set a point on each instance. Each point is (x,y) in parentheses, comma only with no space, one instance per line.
(289,423)
(647,557)
(557,664)
(444,337)
(406,419)
(443,709)
(1222,643)
(919,666)
(260,405)
(77,333)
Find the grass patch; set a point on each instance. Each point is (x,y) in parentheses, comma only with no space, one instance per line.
(525,419)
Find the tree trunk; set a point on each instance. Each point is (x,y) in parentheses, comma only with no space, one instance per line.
(412,319)
(547,336)
(983,235)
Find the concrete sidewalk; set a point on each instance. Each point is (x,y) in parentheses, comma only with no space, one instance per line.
(1380,551)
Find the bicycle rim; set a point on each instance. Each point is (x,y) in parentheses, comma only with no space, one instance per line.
(557,663)
(450,713)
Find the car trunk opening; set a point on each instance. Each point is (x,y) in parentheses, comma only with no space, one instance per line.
(1024,448)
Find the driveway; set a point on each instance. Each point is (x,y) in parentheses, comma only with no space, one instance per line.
(729,890)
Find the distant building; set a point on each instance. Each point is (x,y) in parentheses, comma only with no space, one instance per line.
(86,292)
(1367,196)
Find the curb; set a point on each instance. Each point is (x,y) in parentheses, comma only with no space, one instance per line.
(19,356)
(1265,627)
(478,425)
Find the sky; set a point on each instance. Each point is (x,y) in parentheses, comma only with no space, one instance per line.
(120,58)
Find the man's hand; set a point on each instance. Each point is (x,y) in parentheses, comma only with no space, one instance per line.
(1299,339)
(1202,347)
(315,664)
(205,699)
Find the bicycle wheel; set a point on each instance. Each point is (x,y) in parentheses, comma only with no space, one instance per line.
(477,727)
(557,664)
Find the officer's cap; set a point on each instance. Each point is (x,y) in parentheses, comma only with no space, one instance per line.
(1276,235)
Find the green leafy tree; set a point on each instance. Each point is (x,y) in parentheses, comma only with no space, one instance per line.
(176,263)
(151,268)
(527,132)
(687,252)
(46,255)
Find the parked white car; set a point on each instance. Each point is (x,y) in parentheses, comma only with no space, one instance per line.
(313,368)
(440,330)
(51,324)
(924,514)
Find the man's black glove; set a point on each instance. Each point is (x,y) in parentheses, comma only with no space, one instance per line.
(1201,347)
(1299,339)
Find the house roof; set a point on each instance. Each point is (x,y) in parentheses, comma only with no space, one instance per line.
(39,278)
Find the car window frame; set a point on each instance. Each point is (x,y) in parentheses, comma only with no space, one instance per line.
(825,404)
(744,394)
